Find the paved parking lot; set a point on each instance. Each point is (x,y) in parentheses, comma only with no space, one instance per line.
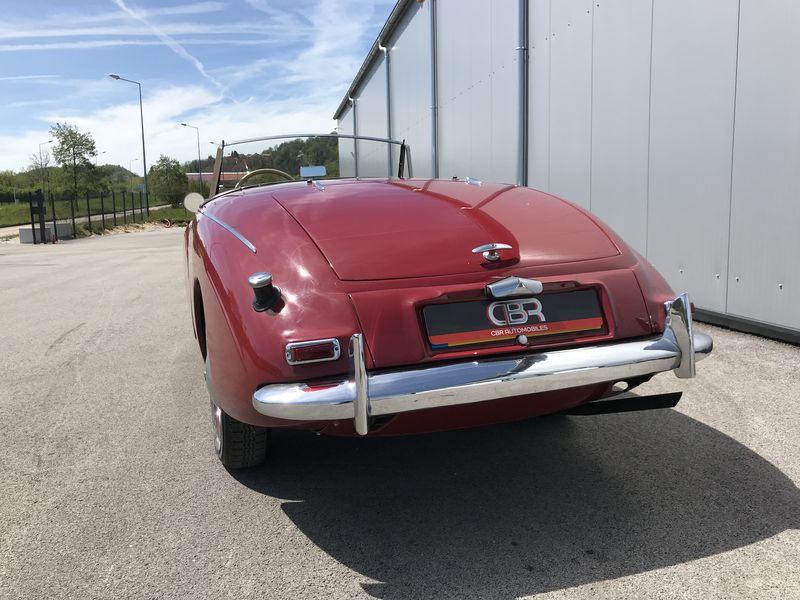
(110,487)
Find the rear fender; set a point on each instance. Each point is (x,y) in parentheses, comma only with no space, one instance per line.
(655,291)
(246,348)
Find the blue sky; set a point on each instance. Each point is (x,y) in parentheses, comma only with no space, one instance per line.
(233,68)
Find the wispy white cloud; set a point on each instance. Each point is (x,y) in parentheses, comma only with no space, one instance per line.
(264,6)
(116,128)
(29,103)
(292,87)
(282,18)
(196,8)
(339,33)
(114,22)
(26,30)
(28,77)
(170,43)
(247,71)
(92,44)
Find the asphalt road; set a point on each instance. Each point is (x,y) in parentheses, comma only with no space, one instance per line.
(110,487)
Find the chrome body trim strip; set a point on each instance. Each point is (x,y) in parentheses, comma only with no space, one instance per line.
(388,392)
(232,231)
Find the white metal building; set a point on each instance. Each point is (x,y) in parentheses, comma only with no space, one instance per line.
(675,121)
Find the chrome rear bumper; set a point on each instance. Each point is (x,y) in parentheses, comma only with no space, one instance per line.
(375,393)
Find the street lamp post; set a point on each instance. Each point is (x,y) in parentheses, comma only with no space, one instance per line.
(199,170)
(41,166)
(144,158)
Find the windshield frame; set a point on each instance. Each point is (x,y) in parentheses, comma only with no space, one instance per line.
(403,164)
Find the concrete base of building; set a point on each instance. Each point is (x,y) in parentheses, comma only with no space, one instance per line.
(775,332)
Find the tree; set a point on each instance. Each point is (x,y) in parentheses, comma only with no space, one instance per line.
(73,151)
(41,163)
(168,182)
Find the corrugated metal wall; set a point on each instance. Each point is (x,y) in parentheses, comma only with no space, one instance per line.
(763,273)
(347,150)
(692,89)
(675,121)
(410,82)
(372,119)
(477,88)
(620,117)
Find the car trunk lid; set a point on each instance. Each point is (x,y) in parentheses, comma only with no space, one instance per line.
(391,229)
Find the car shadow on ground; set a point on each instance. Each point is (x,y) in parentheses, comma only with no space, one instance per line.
(524,508)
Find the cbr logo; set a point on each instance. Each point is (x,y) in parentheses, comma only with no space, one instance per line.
(515,312)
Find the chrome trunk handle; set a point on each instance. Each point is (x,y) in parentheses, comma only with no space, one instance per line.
(490,251)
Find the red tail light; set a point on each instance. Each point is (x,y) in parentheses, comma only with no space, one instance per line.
(314,351)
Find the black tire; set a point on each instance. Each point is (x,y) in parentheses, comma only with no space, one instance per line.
(238,444)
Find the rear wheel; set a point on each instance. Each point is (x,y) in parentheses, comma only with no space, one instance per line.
(238,444)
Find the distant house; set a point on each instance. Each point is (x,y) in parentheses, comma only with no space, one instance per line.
(226,176)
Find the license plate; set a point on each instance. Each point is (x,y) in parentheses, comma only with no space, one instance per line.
(492,321)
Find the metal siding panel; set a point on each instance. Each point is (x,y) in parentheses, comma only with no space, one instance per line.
(371,110)
(477,89)
(691,138)
(504,86)
(371,120)
(621,117)
(765,211)
(539,95)
(410,78)
(347,163)
(571,99)
(455,69)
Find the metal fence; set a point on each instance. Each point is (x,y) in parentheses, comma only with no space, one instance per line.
(53,217)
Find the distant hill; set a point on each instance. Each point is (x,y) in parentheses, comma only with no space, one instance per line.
(105,178)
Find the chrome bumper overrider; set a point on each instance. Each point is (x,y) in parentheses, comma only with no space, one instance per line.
(373,393)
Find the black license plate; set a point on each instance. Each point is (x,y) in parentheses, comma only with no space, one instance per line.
(492,321)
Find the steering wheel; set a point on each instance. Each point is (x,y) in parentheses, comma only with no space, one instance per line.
(262,172)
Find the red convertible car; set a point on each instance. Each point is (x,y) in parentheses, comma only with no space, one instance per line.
(332,291)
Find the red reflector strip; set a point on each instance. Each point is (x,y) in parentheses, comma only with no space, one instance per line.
(317,388)
(313,351)
(317,352)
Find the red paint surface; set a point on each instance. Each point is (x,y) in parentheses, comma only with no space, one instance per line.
(395,230)
(382,267)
